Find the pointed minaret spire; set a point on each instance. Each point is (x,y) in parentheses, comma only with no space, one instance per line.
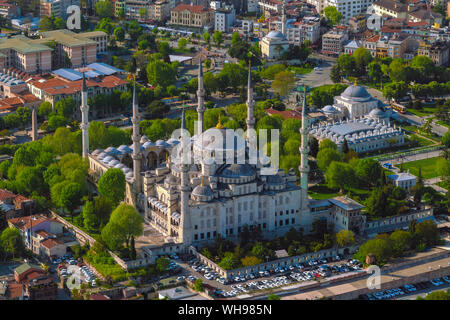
(136,156)
(283,18)
(84,118)
(304,149)
(185,235)
(201,99)
(250,104)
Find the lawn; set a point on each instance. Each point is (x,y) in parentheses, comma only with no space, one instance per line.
(321,191)
(428,167)
(444,123)
(300,70)
(426,111)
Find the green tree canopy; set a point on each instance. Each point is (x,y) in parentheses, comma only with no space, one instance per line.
(111,185)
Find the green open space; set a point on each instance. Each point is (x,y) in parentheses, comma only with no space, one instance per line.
(428,167)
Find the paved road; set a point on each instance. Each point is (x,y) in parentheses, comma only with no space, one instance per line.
(423,293)
(419,121)
(420,156)
(318,78)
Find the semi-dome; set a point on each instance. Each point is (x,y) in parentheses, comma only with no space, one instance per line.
(356,92)
(125,149)
(148,144)
(162,144)
(238,170)
(107,159)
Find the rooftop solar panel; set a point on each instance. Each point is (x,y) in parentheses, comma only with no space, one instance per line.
(92,74)
(68,74)
(104,68)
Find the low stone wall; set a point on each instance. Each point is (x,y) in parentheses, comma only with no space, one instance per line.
(272,264)
(83,238)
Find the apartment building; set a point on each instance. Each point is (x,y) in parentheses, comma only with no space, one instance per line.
(318,4)
(192,16)
(270,7)
(394,9)
(299,31)
(252,6)
(159,10)
(224,18)
(57,8)
(333,41)
(26,55)
(358,23)
(8,10)
(132,8)
(438,51)
(351,8)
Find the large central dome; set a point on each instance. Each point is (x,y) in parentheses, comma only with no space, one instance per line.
(356,93)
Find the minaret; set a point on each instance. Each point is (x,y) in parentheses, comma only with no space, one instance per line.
(201,99)
(283,18)
(250,104)
(34,124)
(84,118)
(136,156)
(304,149)
(185,233)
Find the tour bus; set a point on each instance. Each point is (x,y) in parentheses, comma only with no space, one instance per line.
(398,107)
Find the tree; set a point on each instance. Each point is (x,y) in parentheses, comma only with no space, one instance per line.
(207,37)
(67,195)
(375,71)
(119,34)
(46,24)
(182,43)
(273,297)
(65,107)
(218,37)
(336,74)
(345,238)
(284,83)
(347,64)
(198,285)
(327,143)
(362,59)
(162,264)
(29,179)
(250,261)
(112,185)
(104,9)
(229,261)
(333,15)
(340,175)
(161,73)
(395,90)
(142,12)
(89,217)
(102,209)
(325,157)
(425,68)
(44,109)
(427,232)
(127,223)
(369,171)
(11,242)
(380,248)
(446,139)
(401,241)
(436,295)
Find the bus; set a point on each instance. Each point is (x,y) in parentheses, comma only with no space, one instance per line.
(398,107)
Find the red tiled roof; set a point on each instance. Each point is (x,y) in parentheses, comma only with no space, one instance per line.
(59,86)
(417,24)
(188,7)
(374,38)
(14,290)
(23,223)
(5,194)
(287,114)
(50,243)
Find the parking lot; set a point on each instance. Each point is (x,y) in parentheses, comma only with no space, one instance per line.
(408,289)
(274,278)
(67,267)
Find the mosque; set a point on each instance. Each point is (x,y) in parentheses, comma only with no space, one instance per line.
(221,189)
(360,119)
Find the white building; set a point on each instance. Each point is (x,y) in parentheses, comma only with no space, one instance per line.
(349,8)
(362,135)
(307,29)
(403,180)
(224,17)
(273,45)
(351,46)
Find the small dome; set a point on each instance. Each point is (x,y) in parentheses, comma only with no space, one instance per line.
(162,144)
(144,139)
(171,180)
(377,113)
(114,162)
(107,159)
(330,109)
(102,155)
(148,144)
(202,191)
(97,152)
